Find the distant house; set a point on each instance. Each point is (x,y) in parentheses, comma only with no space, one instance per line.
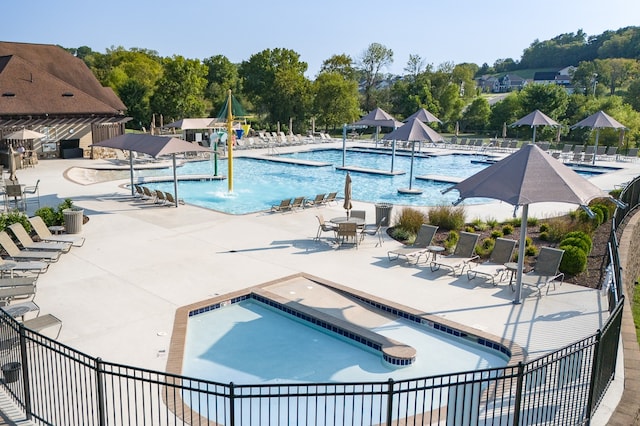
(560,77)
(506,83)
(46,89)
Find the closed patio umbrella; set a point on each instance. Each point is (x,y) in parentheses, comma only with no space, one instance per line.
(347,194)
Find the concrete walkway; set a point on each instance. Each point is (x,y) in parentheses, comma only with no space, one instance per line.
(118,294)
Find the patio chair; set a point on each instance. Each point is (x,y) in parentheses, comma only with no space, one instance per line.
(462,255)
(43,322)
(32,190)
(161,198)
(501,254)
(15,192)
(148,195)
(373,230)
(42,231)
(324,227)
(414,251)
(285,205)
(28,267)
(545,271)
(330,198)
(362,214)
(171,200)
(27,242)
(611,152)
(13,252)
(347,231)
(297,203)
(316,202)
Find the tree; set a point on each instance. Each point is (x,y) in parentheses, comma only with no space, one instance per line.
(507,111)
(615,72)
(415,66)
(551,99)
(476,116)
(371,63)
(222,75)
(180,91)
(274,81)
(342,64)
(336,100)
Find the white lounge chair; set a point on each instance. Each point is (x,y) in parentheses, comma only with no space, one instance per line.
(14,252)
(419,247)
(462,255)
(42,231)
(28,244)
(545,271)
(501,254)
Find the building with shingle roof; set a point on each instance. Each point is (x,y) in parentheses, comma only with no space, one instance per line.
(45,88)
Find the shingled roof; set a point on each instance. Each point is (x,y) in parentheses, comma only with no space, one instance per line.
(41,79)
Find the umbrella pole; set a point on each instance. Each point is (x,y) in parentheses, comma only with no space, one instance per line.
(521,250)
(393,153)
(534,135)
(131,172)
(595,149)
(413,148)
(175,179)
(344,143)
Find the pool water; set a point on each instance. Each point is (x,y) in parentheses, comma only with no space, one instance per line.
(248,342)
(260,184)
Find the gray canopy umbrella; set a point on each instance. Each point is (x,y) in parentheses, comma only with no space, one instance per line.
(414,131)
(535,119)
(528,176)
(598,121)
(154,146)
(424,116)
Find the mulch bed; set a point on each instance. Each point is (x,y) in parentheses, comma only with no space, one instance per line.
(591,277)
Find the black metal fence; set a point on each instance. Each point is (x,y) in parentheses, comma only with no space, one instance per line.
(56,384)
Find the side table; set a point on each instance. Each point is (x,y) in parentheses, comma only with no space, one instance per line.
(56,229)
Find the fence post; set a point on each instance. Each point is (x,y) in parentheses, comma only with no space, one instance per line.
(595,367)
(518,403)
(232,403)
(390,403)
(100,393)
(25,371)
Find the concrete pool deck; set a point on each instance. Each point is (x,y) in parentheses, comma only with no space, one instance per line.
(118,294)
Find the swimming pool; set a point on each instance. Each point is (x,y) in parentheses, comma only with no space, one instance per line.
(260,184)
(301,333)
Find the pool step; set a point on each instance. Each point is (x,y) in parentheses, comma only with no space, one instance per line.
(441,178)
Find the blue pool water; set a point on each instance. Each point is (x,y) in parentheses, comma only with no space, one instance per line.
(260,184)
(251,343)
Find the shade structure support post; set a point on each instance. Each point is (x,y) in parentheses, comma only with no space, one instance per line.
(595,149)
(533,139)
(521,250)
(377,134)
(344,143)
(133,192)
(175,179)
(393,154)
(229,143)
(413,148)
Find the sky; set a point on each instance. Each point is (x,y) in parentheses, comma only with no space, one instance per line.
(438,31)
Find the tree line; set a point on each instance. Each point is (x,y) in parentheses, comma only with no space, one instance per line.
(272,86)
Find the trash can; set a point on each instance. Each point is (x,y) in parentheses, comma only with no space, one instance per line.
(73,220)
(11,372)
(383,211)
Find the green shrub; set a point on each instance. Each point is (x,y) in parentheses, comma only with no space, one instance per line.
(615,193)
(485,247)
(591,223)
(496,234)
(469,228)
(580,235)
(531,250)
(447,217)
(514,221)
(544,227)
(558,227)
(528,242)
(14,216)
(451,241)
(507,229)
(544,236)
(492,222)
(576,242)
(574,260)
(410,220)
(602,208)
(532,221)
(53,217)
(478,225)
(401,234)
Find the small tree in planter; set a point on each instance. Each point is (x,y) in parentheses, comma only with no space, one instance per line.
(54,217)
